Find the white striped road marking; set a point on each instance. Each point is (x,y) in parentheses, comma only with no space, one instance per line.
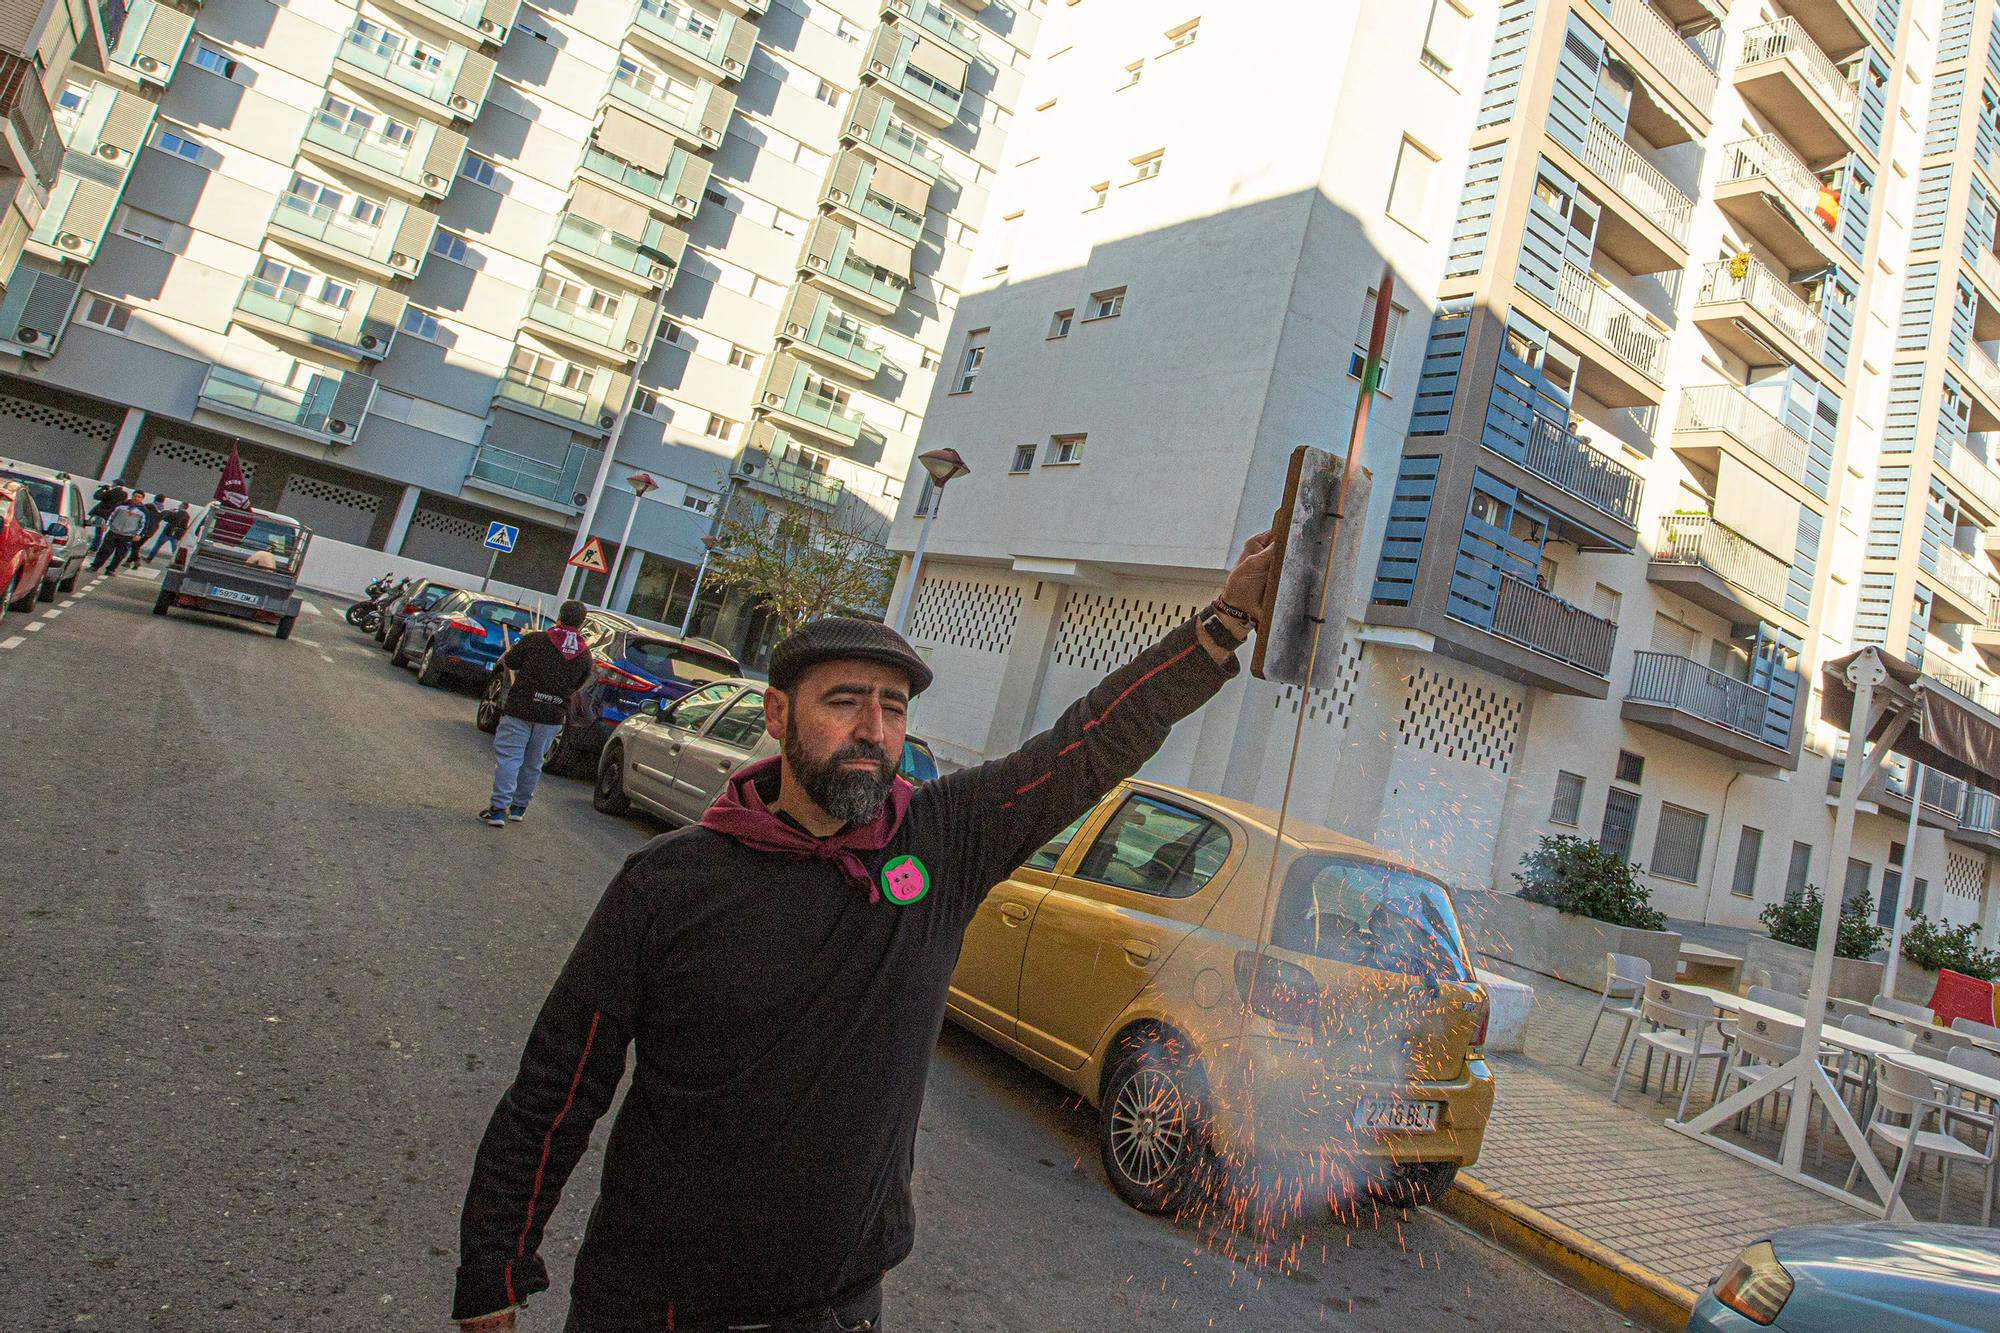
(324,658)
(52,613)
(153,574)
(14,642)
(307,642)
(66,603)
(34,627)
(311,610)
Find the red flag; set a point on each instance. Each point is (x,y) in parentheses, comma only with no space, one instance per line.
(233,492)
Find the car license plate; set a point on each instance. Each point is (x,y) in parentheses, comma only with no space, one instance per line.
(231,595)
(1390,1115)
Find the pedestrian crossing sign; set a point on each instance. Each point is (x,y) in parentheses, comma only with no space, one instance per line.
(500,537)
(591,557)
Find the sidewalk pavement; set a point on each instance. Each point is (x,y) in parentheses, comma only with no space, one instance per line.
(1657,1199)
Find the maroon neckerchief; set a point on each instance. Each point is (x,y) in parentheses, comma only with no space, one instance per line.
(740,813)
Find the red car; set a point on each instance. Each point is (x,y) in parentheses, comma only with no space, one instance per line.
(24,548)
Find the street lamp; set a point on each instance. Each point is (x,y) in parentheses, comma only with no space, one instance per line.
(640,483)
(943,465)
(710,544)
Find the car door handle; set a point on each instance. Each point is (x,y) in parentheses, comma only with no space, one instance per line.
(1014,912)
(673,749)
(1141,953)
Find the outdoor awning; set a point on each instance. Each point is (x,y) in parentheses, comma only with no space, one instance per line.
(639,142)
(939,63)
(613,211)
(1946,731)
(874,248)
(901,188)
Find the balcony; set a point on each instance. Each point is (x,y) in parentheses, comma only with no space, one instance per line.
(35,308)
(362,329)
(676,193)
(78,213)
(816,414)
(788,480)
(872,273)
(1547,625)
(557,485)
(470,21)
(876,128)
(648,264)
(716,45)
(1941,802)
(327,409)
(699,121)
(1680,66)
(30,137)
(393,247)
(1720,569)
(926,77)
(888,197)
(1986,269)
(540,394)
(423,166)
(1983,378)
(1974,482)
(1790,81)
(1964,593)
(1769,191)
(1985,635)
(1719,418)
(1974,690)
(936,20)
(453,85)
(1566,462)
(1757,316)
(1625,366)
(819,331)
(580,326)
(1687,700)
(147,45)
(1650,233)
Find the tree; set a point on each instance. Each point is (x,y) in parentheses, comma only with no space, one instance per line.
(803,563)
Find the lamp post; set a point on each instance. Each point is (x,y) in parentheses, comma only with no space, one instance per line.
(943,465)
(596,493)
(640,483)
(709,545)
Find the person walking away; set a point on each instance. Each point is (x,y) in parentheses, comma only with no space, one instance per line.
(121,536)
(173,527)
(104,500)
(782,968)
(545,668)
(155,507)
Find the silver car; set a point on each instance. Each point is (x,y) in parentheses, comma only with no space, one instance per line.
(64,520)
(671,760)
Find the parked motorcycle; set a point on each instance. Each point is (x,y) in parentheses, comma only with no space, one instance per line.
(366,614)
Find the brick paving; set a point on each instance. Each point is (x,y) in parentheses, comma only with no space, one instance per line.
(1620,1176)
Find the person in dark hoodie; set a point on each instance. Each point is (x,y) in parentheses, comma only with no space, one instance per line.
(546,668)
(782,968)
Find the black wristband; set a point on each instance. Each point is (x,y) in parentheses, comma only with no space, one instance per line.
(1219,629)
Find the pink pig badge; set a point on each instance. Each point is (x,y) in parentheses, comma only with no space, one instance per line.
(905,881)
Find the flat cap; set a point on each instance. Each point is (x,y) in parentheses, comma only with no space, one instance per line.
(844,638)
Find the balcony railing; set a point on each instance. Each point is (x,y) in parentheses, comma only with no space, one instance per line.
(1987,265)
(1772,158)
(664,188)
(427,77)
(601,242)
(704,38)
(1973,476)
(1954,679)
(1981,813)
(544,395)
(947,100)
(1676,682)
(1697,539)
(555,482)
(846,342)
(283,305)
(465,12)
(1621,326)
(934,18)
(1963,577)
(1979,366)
(1557,456)
(1637,181)
(265,398)
(580,320)
(369,147)
(1729,410)
(783,475)
(682,113)
(27,109)
(325,223)
(822,410)
(1685,67)
(1786,40)
(1769,295)
(866,278)
(1545,623)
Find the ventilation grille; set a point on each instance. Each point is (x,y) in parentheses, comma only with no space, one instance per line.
(1103,630)
(1456,719)
(55,418)
(1964,876)
(459,529)
(966,613)
(1328,707)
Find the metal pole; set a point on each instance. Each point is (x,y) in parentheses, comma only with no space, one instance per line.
(1906,894)
(589,515)
(624,541)
(916,561)
(491,561)
(687,617)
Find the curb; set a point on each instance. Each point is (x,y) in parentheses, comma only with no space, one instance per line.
(1592,1267)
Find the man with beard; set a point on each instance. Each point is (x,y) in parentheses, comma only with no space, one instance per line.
(782,969)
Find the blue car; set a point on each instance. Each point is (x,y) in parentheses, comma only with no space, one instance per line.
(463,635)
(1864,1277)
(634,664)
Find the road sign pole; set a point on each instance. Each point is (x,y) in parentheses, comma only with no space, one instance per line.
(492,561)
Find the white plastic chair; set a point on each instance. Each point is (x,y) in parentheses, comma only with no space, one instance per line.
(1778,999)
(1889,1004)
(1625,979)
(1682,1028)
(1912,1096)
(1761,1046)
(1972,1027)
(1857,1072)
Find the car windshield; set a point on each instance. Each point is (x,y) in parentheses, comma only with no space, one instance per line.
(513,617)
(48,496)
(917,765)
(659,658)
(430,596)
(1372,915)
(279,538)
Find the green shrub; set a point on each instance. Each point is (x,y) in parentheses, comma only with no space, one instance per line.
(1795,921)
(1577,876)
(1934,947)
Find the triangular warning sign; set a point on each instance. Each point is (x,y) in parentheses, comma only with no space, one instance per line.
(591,557)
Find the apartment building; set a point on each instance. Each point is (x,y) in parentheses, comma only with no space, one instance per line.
(430,264)
(38,41)
(1676,411)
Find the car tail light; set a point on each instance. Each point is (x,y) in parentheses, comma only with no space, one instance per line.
(1275,989)
(470,626)
(618,679)
(1756,1285)
(1482,1014)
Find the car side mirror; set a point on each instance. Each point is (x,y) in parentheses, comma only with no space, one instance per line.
(650,708)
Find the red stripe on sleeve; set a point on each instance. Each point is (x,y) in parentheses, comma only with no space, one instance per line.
(548,1141)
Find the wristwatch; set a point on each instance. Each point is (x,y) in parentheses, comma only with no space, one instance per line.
(1220,629)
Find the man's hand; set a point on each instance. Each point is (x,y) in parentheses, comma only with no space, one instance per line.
(1244,588)
(489,1323)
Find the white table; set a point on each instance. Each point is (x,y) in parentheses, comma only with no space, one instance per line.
(1940,1072)
(1855,1043)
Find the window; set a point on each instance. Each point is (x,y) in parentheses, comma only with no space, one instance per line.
(646,402)
(1444,42)
(1132,72)
(1677,843)
(336,294)
(697,708)
(367,212)
(699,501)
(104,313)
(1369,915)
(146,228)
(1098,194)
(741,724)
(1065,449)
(1358,358)
(208,58)
(1631,767)
(672,332)
(1621,817)
(1106,305)
(721,199)
(828,94)
(1801,867)
(1050,852)
(1047,106)
(1024,458)
(1059,325)
(927,360)
(72,98)
(720,428)
(1569,799)
(1148,166)
(1858,872)
(1179,39)
(1410,190)
(1155,848)
(975,357)
(178,144)
(477,170)
(421,323)
(451,246)
(742,358)
(1749,849)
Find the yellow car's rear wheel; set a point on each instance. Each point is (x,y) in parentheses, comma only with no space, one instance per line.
(1152,1125)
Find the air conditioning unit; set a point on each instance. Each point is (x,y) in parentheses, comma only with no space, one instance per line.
(836,196)
(814,261)
(658,272)
(632,347)
(147,65)
(793,330)
(110,152)
(460,103)
(337,427)
(579,498)
(400,260)
(607,420)
(746,467)
(432,181)
(488,26)
(731,63)
(710,133)
(69,240)
(682,201)
(878,67)
(30,336)
(369,342)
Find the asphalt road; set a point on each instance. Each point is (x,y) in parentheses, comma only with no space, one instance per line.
(263,975)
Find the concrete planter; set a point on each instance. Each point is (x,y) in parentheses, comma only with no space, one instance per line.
(1915,984)
(1789,968)
(1556,944)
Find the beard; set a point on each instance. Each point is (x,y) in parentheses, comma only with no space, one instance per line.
(855,796)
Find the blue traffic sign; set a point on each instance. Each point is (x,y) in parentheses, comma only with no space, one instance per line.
(500,537)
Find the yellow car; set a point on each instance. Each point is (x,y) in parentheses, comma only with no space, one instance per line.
(1326,1037)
